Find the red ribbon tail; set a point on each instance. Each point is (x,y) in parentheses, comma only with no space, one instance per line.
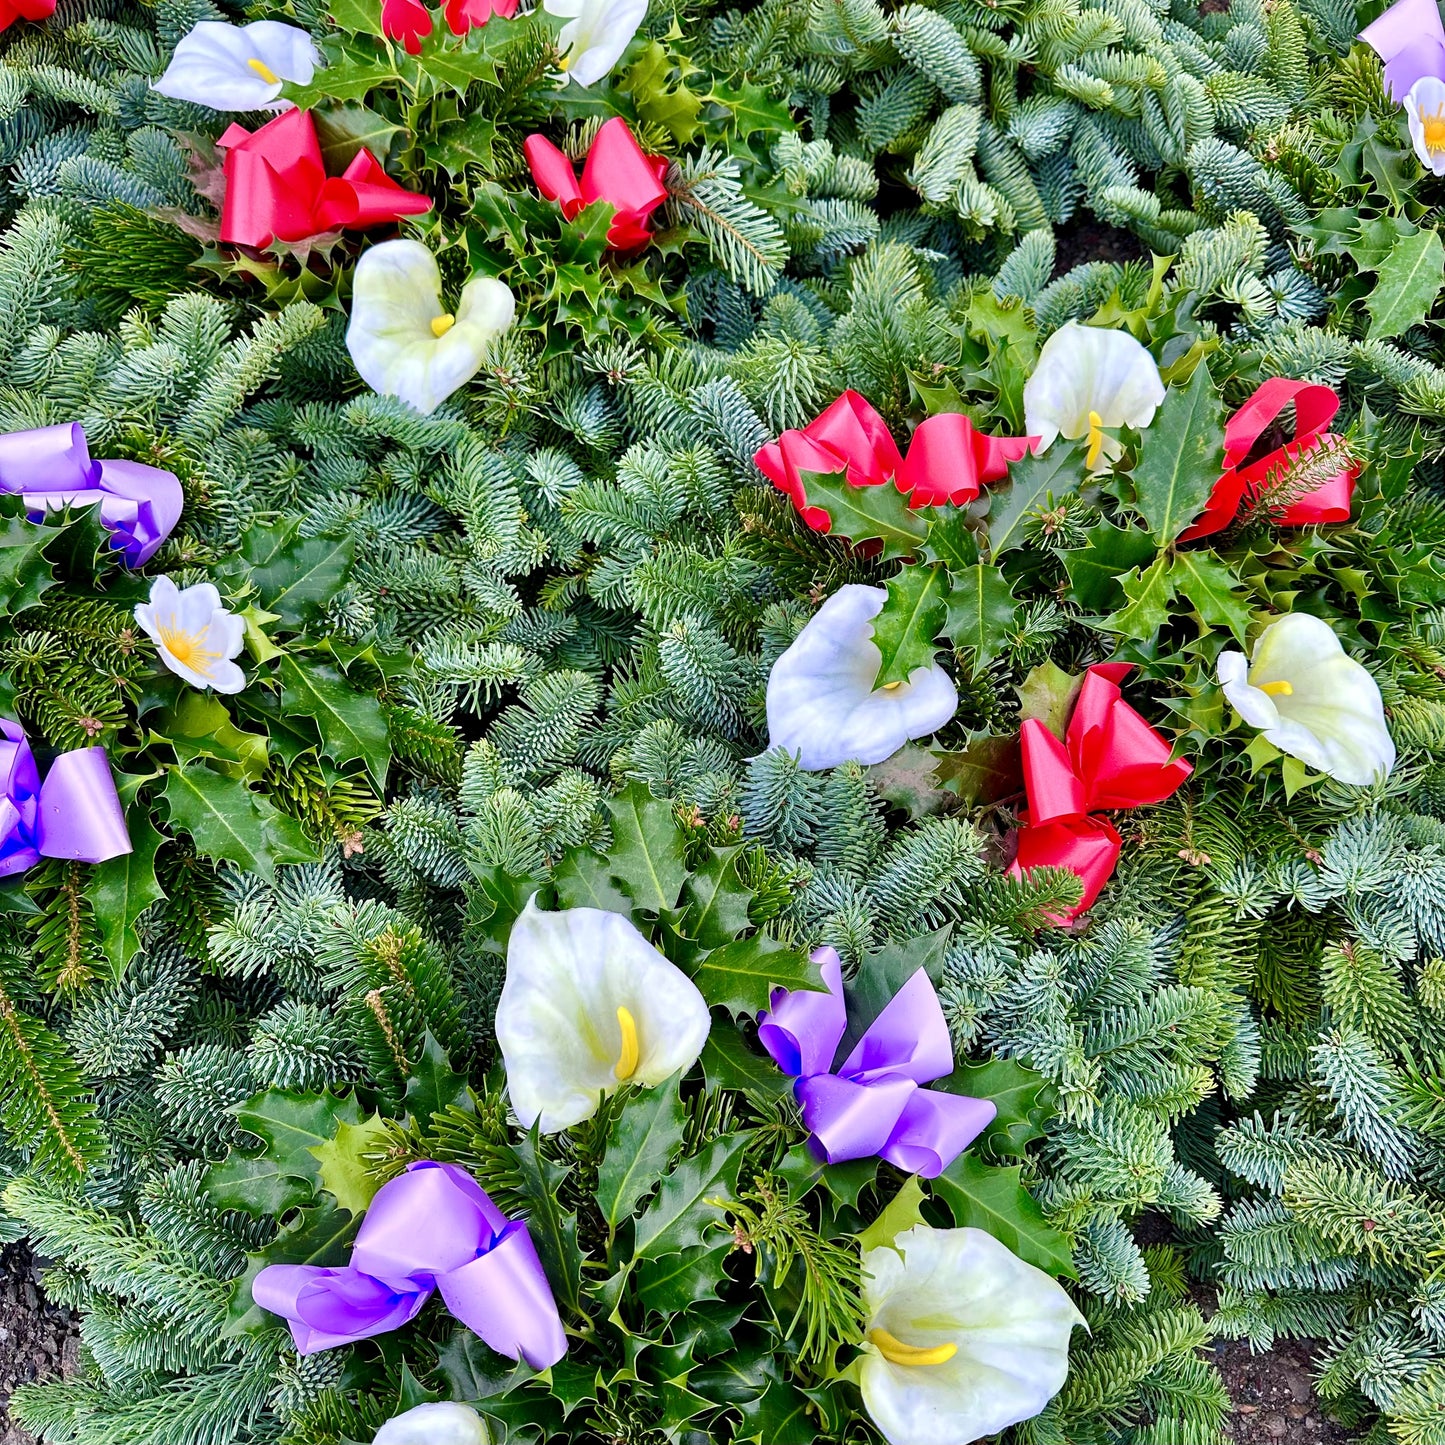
(1055,791)
(1087,847)
(553,173)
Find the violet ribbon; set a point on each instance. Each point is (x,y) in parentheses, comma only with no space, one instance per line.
(50,467)
(874,1103)
(432,1228)
(75,813)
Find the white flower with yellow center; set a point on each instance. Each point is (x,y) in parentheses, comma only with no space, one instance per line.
(195,635)
(596,34)
(964,1339)
(439,1423)
(1311,700)
(822,705)
(1425,115)
(239,67)
(1089,381)
(404,341)
(588,1005)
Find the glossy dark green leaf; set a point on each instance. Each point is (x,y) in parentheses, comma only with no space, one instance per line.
(645,1136)
(679,1213)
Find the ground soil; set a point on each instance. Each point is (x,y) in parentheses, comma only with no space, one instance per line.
(37,1339)
(1088,240)
(1273,1394)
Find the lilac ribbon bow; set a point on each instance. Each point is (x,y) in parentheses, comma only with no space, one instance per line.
(50,467)
(1411,41)
(873,1104)
(433,1228)
(75,813)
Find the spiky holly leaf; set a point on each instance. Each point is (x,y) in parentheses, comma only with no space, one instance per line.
(909,780)
(779,1416)
(647,853)
(674,1282)
(900,1214)
(716,899)
(290,1125)
(1047,695)
(679,1213)
(1147,597)
(553,1228)
(985,771)
(981,1197)
(1032,483)
(1409,281)
(981,609)
(434,1086)
(1095,568)
(351,723)
(867,514)
(121,889)
(322,1236)
(1024,1100)
(227,821)
(645,1137)
(1180,457)
(346,1173)
(1214,590)
(911,617)
(739,976)
(728,1063)
(951,540)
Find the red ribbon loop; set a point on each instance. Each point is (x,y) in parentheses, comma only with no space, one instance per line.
(617,170)
(1110,758)
(948,457)
(1315,406)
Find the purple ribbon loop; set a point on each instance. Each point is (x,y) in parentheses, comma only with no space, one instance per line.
(874,1103)
(432,1229)
(51,468)
(75,813)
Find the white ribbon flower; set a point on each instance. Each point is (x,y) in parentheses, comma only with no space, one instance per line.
(1087,381)
(963,1339)
(403,340)
(195,635)
(821,702)
(589,1004)
(440,1423)
(596,34)
(239,67)
(1425,115)
(1311,700)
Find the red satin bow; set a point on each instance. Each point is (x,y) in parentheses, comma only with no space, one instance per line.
(617,170)
(277,187)
(1314,408)
(410,22)
(13,10)
(1111,758)
(947,461)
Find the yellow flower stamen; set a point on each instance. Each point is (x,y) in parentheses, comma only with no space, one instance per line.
(186,648)
(440,325)
(627,1060)
(1096,439)
(265,72)
(1277,689)
(1432,131)
(565,61)
(890,686)
(897,1353)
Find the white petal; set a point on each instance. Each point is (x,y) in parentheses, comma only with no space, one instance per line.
(1426,98)
(286,49)
(568,973)
(1090,368)
(195,613)
(593,42)
(212,64)
(1010,1322)
(821,702)
(1255,707)
(396,295)
(441,1423)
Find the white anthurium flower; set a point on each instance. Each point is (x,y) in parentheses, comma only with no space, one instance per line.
(441,1423)
(1089,380)
(821,702)
(589,1004)
(239,67)
(963,1339)
(1311,700)
(195,635)
(1425,115)
(596,34)
(404,342)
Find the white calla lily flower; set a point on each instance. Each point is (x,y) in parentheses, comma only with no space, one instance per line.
(239,67)
(588,1005)
(1425,115)
(403,340)
(821,701)
(195,635)
(963,1338)
(1089,380)
(1311,700)
(596,34)
(441,1423)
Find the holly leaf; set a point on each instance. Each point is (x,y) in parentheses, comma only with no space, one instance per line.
(716,899)
(645,1136)
(361,17)
(344,1171)
(981,609)
(290,1125)
(951,540)
(227,821)
(728,1063)
(1180,457)
(1409,280)
(553,1228)
(909,780)
(1094,569)
(1032,482)
(322,1236)
(25,571)
(1147,597)
(434,1086)
(1047,695)
(351,723)
(121,889)
(294,576)
(1023,1098)
(911,617)
(670,1284)
(779,1416)
(867,514)
(1214,591)
(583,879)
(346,130)
(985,771)
(739,976)
(681,1209)
(902,1212)
(647,854)
(882,974)
(980,1197)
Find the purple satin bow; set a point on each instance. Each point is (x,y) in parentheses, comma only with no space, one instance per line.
(75,813)
(873,1104)
(50,467)
(433,1228)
